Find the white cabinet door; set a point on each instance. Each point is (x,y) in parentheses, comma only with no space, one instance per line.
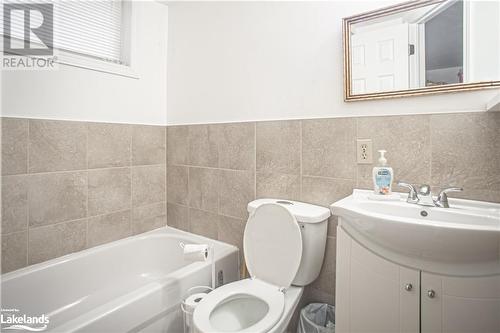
(460,304)
(373,294)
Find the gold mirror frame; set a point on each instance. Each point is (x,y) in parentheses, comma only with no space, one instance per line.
(346,29)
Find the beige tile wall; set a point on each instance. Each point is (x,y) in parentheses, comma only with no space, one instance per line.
(67,186)
(215,170)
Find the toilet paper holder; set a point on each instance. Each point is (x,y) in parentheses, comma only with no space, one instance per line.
(200,252)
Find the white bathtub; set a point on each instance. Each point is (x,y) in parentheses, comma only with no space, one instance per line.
(134,284)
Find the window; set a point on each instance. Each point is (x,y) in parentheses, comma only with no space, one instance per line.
(89,34)
(91,28)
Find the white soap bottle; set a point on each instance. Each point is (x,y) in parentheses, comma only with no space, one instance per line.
(382,176)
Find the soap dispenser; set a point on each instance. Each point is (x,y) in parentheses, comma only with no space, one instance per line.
(382,176)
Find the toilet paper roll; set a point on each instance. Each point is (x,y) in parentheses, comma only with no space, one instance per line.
(192,301)
(195,252)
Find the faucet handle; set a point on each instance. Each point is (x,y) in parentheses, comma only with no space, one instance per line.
(424,190)
(412,194)
(442,198)
(451,189)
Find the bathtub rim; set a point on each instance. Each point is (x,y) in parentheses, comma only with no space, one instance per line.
(221,250)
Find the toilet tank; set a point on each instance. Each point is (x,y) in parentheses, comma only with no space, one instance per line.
(313,222)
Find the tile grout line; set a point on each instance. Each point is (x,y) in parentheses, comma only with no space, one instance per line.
(167,164)
(301,158)
(207,167)
(188,196)
(206,211)
(69,221)
(119,210)
(188,222)
(356,148)
(88,185)
(430,153)
(92,169)
(28,194)
(28,148)
(332,178)
(255,159)
(131,204)
(219,134)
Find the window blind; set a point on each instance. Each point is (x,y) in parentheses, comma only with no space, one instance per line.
(86,27)
(89,27)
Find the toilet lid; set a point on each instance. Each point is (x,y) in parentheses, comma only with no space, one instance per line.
(272,245)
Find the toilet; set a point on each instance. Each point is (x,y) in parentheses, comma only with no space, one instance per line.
(284,245)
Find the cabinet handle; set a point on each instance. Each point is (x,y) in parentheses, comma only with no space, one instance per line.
(431,293)
(408,287)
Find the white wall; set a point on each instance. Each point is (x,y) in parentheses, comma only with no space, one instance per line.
(242,61)
(484,50)
(72,93)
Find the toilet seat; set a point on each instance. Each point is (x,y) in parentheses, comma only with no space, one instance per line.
(254,288)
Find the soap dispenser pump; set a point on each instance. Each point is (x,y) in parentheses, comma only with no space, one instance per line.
(382,176)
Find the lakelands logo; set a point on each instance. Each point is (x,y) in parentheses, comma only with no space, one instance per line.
(28,30)
(12,319)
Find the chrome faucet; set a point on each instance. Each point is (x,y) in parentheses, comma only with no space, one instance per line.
(412,194)
(442,198)
(423,196)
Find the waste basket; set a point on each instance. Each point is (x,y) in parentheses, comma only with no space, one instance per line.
(317,318)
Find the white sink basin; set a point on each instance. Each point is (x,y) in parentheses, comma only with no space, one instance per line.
(466,233)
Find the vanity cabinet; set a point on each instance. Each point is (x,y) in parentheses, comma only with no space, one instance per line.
(460,304)
(377,295)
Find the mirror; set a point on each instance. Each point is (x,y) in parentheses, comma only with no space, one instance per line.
(422,47)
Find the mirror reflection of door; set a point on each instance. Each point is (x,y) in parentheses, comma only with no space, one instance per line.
(380,57)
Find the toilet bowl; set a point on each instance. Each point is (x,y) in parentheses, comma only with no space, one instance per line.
(244,306)
(273,249)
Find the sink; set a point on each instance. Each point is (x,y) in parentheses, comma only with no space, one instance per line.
(467,233)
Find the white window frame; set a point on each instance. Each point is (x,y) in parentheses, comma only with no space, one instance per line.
(128,34)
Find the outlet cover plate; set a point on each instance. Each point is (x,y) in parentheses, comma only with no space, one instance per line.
(364,151)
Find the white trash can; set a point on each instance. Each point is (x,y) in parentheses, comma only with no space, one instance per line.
(317,318)
(189,304)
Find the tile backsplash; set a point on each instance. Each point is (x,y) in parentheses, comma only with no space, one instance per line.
(215,170)
(68,185)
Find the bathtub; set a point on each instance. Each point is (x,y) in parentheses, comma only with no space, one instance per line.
(134,284)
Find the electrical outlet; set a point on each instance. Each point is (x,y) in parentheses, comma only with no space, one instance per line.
(364,148)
